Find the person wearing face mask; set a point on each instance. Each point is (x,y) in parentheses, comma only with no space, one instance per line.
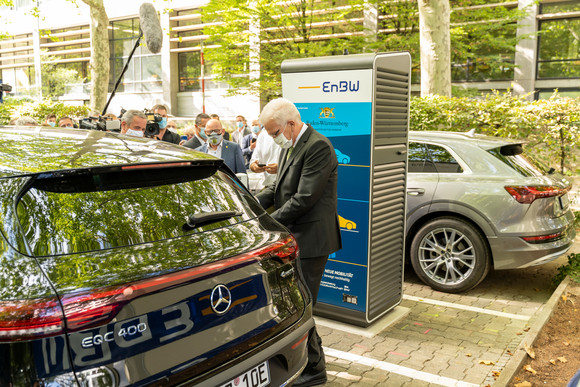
(304,197)
(133,123)
(199,138)
(229,151)
(165,134)
(241,131)
(50,120)
(249,142)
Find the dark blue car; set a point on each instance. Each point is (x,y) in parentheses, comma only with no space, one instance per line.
(134,262)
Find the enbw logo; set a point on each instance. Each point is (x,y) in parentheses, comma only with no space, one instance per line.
(340,87)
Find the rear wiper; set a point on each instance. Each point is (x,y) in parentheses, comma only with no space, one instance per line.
(204,218)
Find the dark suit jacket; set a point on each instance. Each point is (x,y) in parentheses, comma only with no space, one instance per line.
(171,137)
(304,195)
(246,151)
(192,143)
(231,154)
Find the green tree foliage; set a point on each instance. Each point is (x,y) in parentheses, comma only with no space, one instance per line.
(483,39)
(551,127)
(286,31)
(55,77)
(38,110)
(3,21)
(399,31)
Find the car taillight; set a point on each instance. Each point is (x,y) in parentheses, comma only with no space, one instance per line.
(30,319)
(544,238)
(527,194)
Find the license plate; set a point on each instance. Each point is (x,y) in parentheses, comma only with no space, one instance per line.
(564,201)
(259,376)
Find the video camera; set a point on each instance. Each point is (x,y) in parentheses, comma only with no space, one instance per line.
(100,123)
(4,88)
(153,119)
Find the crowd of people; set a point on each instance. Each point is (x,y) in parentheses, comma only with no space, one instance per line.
(249,149)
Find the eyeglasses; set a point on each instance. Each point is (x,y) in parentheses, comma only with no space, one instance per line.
(215,131)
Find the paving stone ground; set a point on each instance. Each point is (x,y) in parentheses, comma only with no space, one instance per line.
(434,345)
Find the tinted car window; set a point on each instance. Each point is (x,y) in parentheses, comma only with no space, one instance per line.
(419,160)
(63,223)
(521,163)
(444,162)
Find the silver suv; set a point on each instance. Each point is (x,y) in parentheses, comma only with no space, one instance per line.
(476,202)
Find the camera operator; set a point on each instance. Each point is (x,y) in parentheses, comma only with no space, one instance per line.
(164,133)
(133,123)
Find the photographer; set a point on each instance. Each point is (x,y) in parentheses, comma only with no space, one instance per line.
(164,134)
(133,123)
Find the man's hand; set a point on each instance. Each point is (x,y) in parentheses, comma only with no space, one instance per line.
(253,145)
(271,168)
(255,168)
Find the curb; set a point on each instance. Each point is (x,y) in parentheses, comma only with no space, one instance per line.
(543,315)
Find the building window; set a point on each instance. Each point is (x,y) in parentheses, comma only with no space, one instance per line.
(559,42)
(483,40)
(144,71)
(17,64)
(188,35)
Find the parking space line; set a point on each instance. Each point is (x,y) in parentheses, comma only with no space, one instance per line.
(397,369)
(467,307)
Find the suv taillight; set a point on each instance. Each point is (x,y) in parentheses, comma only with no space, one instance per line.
(29,319)
(37,318)
(527,194)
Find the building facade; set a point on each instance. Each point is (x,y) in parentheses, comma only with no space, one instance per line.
(545,57)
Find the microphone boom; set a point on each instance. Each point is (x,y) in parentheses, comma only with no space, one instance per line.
(151,28)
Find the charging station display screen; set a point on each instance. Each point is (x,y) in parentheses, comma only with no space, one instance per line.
(338,104)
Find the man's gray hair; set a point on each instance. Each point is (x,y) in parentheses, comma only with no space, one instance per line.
(201,116)
(280,110)
(130,114)
(26,121)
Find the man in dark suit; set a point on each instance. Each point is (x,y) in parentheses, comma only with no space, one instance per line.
(230,152)
(304,198)
(199,137)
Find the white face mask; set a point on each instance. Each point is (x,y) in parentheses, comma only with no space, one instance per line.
(134,133)
(282,141)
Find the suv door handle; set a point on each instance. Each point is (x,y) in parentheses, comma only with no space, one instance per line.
(415,191)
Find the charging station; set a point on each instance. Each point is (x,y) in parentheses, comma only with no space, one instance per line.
(361,104)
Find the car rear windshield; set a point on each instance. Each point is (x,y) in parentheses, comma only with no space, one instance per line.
(56,222)
(519,162)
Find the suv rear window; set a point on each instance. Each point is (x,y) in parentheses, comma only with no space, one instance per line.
(56,222)
(520,162)
(428,158)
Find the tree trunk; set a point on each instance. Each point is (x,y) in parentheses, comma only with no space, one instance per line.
(99,55)
(435,47)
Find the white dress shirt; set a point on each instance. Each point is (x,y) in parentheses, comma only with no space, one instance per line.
(266,152)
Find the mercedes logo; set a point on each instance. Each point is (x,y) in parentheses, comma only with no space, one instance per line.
(221,299)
